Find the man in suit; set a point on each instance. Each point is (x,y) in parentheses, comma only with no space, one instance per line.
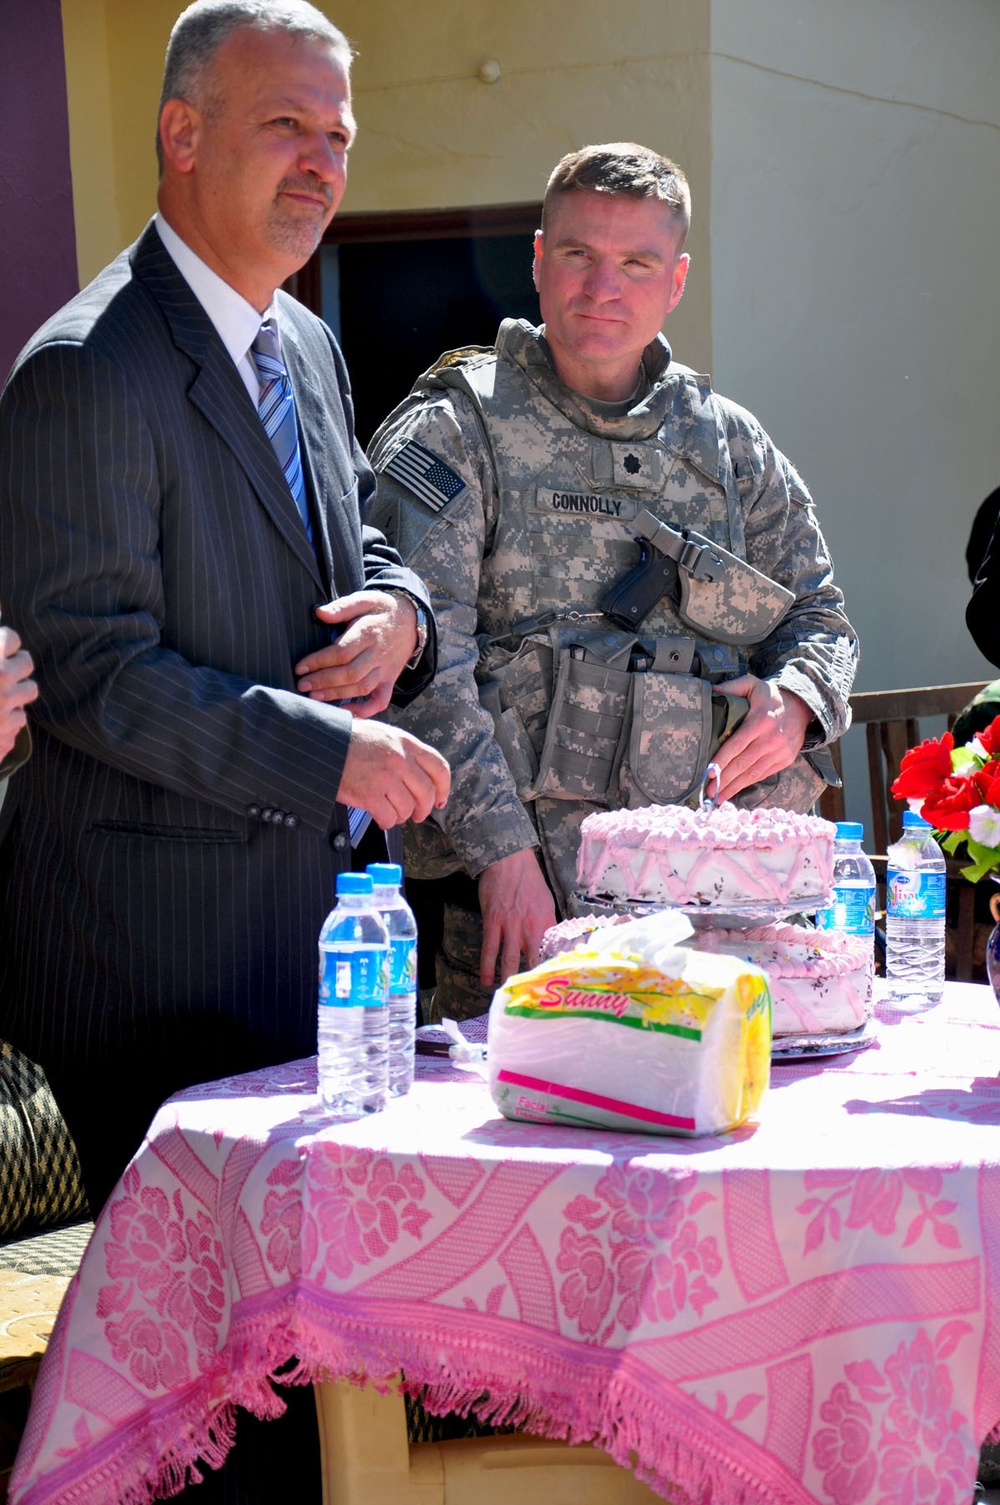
(175,839)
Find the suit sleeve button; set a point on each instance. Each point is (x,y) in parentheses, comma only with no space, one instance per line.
(253,811)
(291,821)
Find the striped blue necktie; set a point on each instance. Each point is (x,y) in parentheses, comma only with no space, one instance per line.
(276,407)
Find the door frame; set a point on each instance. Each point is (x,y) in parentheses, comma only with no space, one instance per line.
(466,223)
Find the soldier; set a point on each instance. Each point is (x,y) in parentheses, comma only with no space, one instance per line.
(524,483)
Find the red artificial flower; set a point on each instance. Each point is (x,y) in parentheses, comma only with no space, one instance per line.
(947,808)
(925,768)
(990,738)
(987,782)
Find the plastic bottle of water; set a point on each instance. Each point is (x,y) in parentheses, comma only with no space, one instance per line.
(915,915)
(353,1002)
(402,928)
(852,911)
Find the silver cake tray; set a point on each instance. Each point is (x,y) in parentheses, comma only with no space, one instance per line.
(763,912)
(806,1047)
(715,914)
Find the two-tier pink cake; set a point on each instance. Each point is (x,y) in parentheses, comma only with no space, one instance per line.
(821,982)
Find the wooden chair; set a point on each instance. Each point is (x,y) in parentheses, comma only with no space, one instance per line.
(892,721)
(367,1460)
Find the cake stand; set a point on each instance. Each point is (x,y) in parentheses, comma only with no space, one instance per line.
(726,916)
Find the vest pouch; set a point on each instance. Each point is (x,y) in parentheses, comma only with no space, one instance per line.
(589,713)
(516,690)
(671,739)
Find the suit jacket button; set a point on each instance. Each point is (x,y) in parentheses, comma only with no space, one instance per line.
(253,811)
(341,842)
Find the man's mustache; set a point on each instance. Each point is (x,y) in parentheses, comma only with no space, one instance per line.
(307,184)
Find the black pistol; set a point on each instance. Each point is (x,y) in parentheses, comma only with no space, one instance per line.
(633,597)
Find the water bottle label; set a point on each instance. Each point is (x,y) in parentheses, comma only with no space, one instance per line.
(915,896)
(852,912)
(357,978)
(403,965)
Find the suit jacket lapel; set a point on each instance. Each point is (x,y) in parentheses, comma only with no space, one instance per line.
(218,391)
(317,440)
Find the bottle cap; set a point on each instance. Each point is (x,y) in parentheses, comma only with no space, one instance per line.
(354,884)
(914,822)
(385,874)
(850,830)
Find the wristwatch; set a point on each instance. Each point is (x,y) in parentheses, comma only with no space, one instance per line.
(423,627)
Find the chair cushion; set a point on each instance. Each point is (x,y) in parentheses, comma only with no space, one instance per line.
(40,1181)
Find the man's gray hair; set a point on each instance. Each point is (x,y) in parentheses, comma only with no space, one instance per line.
(622,167)
(200,31)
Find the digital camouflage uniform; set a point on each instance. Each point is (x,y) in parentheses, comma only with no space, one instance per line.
(518,501)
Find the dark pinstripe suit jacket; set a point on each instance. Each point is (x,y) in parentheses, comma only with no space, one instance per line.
(175,837)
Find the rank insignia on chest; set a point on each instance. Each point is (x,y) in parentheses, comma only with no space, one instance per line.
(636,465)
(423,473)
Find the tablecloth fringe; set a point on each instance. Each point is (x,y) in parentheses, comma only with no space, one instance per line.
(198,1433)
(450,1373)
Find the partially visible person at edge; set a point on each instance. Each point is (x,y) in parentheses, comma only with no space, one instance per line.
(515,480)
(982,556)
(180,825)
(17,690)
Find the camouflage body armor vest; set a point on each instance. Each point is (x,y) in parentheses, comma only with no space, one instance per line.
(584,710)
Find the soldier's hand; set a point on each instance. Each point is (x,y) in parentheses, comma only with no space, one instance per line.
(377,640)
(17,688)
(768,739)
(517,908)
(392,775)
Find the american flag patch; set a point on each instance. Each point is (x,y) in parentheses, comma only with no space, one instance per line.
(424,474)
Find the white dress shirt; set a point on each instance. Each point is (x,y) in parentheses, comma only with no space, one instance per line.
(236,321)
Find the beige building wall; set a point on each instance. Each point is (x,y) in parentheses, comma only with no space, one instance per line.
(855,228)
(114,63)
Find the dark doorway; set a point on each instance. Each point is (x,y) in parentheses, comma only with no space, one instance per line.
(400,289)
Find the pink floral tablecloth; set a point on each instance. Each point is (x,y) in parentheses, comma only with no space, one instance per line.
(802,1311)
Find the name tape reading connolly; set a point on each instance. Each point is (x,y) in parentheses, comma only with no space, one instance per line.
(622,507)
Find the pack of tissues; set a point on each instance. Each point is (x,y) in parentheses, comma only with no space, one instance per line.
(632,1030)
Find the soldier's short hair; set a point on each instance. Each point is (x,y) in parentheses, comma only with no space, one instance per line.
(622,167)
(200,31)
